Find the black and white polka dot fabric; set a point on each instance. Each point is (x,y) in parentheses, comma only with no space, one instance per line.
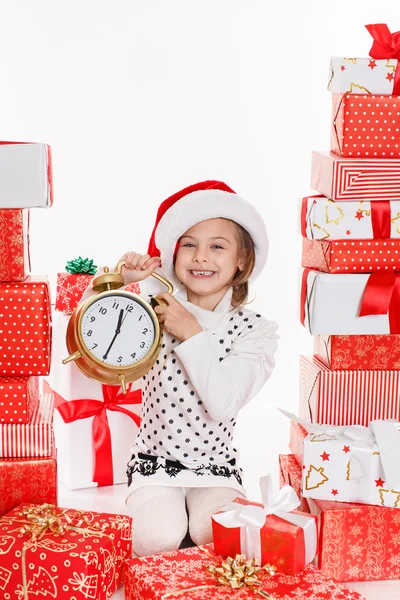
(192,395)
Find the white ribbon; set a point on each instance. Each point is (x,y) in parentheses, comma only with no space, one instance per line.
(250,519)
(382,433)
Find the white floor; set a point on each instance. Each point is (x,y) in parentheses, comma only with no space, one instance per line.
(111,499)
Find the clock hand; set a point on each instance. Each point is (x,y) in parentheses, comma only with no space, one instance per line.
(117,331)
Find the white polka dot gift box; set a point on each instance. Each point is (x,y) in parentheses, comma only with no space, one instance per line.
(14,244)
(25,175)
(61,553)
(19,397)
(25,327)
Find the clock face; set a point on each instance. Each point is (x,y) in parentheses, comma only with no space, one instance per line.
(117,330)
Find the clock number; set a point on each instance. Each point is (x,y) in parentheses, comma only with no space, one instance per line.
(142,345)
(129,308)
(89,333)
(133,355)
(94,346)
(92,319)
(144,331)
(103,311)
(140,318)
(115,305)
(120,358)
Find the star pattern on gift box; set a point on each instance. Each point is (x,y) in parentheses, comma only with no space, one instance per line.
(334,492)
(390,76)
(359,215)
(325,456)
(346,449)
(372,64)
(379,482)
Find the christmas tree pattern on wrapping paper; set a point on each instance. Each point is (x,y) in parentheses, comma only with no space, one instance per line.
(40,583)
(316,477)
(395,503)
(322,437)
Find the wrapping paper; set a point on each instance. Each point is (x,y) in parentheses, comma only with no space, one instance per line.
(351,256)
(347,397)
(14,244)
(31,439)
(72,286)
(75,439)
(365,126)
(381,352)
(357,542)
(25,175)
(350,304)
(355,179)
(290,474)
(174,574)
(269,532)
(85,561)
(298,434)
(25,327)
(325,219)
(362,75)
(27,480)
(19,397)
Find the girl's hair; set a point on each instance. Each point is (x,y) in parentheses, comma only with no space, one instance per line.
(240,285)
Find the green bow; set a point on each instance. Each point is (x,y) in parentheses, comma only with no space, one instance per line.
(81,265)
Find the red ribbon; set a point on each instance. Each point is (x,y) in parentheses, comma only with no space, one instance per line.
(73,410)
(386,45)
(382,296)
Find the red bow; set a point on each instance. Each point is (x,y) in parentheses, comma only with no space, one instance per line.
(382,297)
(386,45)
(73,410)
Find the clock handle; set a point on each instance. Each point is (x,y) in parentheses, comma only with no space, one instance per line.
(157,301)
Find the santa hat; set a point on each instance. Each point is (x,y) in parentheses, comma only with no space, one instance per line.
(199,202)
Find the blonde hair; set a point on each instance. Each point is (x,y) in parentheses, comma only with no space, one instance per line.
(240,281)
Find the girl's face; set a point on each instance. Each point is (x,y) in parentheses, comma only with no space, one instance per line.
(208,256)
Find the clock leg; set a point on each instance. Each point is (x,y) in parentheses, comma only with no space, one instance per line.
(72,357)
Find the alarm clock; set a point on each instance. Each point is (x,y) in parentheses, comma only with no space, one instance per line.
(115,337)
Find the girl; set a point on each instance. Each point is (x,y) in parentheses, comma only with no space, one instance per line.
(216,355)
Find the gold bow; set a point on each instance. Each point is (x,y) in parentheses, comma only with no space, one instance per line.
(42,519)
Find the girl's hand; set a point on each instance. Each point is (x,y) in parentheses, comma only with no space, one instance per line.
(138,266)
(175,319)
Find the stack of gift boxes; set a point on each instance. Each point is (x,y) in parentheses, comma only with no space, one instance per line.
(346,443)
(28,470)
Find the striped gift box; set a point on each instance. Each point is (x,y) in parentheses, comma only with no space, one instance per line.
(346,397)
(33,439)
(356,179)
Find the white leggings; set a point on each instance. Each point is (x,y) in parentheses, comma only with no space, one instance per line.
(161,515)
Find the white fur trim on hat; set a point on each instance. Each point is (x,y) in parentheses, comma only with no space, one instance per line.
(200,206)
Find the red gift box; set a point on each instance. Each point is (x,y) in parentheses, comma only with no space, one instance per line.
(14,244)
(75,554)
(298,434)
(290,474)
(357,542)
(351,256)
(341,178)
(19,397)
(365,125)
(288,541)
(18,440)
(25,327)
(380,352)
(184,574)
(27,480)
(347,397)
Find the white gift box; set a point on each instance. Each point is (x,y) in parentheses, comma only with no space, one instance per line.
(25,175)
(361,75)
(74,440)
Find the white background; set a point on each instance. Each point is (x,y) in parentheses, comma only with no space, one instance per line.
(139,99)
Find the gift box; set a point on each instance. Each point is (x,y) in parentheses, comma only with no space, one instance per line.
(95,425)
(341,178)
(290,474)
(29,439)
(347,397)
(27,480)
(269,532)
(25,327)
(357,542)
(365,126)
(189,574)
(19,397)
(325,219)
(298,434)
(351,256)
(63,553)
(381,352)
(14,244)
(350,303)
(362,75)
(25,175)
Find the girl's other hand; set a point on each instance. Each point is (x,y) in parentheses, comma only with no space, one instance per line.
(138,266)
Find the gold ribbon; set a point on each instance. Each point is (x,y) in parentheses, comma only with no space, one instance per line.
(235,572)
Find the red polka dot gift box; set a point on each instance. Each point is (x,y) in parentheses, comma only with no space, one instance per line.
(14,244)
(365,126)
(19,397)
(54,552)
(25,327)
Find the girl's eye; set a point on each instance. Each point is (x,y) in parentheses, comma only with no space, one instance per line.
(188,245)
(217,246)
